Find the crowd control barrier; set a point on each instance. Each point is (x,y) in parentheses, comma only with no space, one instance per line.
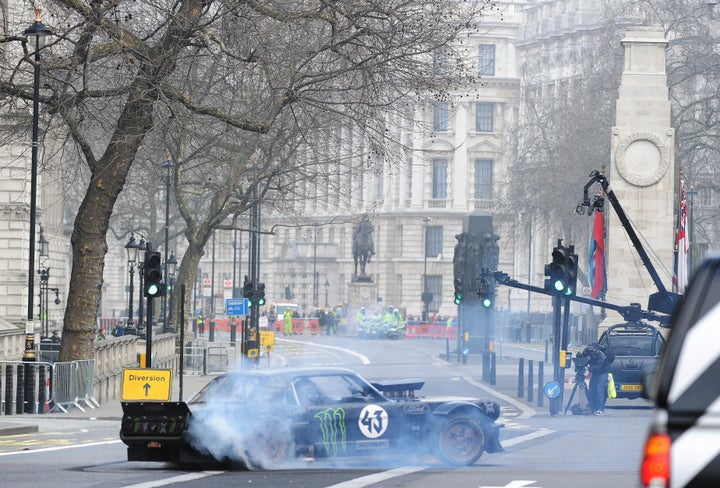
(72,383)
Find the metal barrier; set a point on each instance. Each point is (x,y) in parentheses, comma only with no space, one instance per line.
(72,384)
(203,358)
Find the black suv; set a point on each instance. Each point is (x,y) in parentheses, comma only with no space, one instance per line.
(637,347)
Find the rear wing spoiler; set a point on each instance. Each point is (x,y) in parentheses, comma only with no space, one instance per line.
(399,389)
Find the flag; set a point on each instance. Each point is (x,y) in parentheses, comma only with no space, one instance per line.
(596,257)
(680,266)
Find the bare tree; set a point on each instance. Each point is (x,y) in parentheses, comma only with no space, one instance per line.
(118,71)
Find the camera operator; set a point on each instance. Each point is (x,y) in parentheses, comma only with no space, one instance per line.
(599,367)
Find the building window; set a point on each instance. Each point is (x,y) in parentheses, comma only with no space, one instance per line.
(440,116)
(483,179)
(704,196)
(439,178)
(440,64)
(433,241)
(484,116)
(434,286)
(486,59)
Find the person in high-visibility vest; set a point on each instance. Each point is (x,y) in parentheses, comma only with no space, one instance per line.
(287,322)
(361,316)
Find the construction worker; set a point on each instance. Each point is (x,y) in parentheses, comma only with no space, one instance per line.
(287,321)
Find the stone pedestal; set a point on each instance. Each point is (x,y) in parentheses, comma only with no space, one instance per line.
(361,294)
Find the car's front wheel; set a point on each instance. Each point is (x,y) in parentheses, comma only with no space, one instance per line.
(461,440)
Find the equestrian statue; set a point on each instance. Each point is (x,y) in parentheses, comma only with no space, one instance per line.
(363,247)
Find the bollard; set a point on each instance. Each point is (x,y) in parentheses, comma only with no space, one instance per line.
(20,389)
(42,398)
(541,392)
(8,390)
(521,378)
(447,348)
(493,368)
(233,332)
(211,338)
(531,376)
(29,388)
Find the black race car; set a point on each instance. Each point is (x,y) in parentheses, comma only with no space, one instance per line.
(260,419)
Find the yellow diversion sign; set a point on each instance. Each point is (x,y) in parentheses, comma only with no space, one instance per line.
(146,384)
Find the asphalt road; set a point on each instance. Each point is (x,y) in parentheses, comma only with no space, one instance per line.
(76,451)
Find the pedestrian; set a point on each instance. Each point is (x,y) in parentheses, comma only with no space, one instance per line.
(599,367)
(288,322)
(100,336)
(361,316)
(55,337)
(201,323)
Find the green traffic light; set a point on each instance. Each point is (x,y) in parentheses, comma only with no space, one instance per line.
(153,290)
(559,285)
(568,292)
(458,299)
(487,302)
(261,301)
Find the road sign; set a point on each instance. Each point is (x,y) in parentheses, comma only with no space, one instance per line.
(207,282)
(237,306)
(552,389)
(267,339)
(227,283)
(146,384)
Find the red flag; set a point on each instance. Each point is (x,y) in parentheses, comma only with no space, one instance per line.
(597,257)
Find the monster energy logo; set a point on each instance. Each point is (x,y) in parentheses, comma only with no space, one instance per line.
(332,425)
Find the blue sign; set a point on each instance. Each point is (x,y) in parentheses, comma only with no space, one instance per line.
(552,389)
(237,306)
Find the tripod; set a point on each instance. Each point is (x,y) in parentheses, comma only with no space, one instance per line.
(579,385)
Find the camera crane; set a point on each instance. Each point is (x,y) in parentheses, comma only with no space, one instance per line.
(663,301)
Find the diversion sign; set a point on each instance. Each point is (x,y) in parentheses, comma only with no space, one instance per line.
(146,384)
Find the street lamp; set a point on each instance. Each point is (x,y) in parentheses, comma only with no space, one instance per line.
(170,268)
(327,287)
(169,164)
(35,35)
(425,295)
(315,276)
(132,248)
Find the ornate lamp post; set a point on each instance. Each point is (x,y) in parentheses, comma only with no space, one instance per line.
(142,247)
(132,248)
(327,287)
(426,298)
(169,164)
(35,35)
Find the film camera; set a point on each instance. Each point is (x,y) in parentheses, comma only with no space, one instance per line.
(582,360)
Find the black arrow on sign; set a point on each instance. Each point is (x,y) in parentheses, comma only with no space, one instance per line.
(147,388)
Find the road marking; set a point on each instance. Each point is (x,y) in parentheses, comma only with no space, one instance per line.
(527,437)
(362,357)
(371,479)
(175,479)
(525,411)
(61,448)
(513,484)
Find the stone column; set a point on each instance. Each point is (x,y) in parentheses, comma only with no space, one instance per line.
(642,172)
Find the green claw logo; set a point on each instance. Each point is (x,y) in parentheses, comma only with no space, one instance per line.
(332,425)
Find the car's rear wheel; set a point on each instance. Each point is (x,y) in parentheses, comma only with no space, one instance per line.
(269,445)
(461,440)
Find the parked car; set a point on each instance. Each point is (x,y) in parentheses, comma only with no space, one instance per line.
(263,418)
(683,445)
(637,347)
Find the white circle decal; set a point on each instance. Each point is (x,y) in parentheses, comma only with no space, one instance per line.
(373,421)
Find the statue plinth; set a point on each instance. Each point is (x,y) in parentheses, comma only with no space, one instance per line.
(362,279)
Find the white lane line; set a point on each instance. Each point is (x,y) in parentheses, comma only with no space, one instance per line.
(371,479)
(525,411)
(183,478)
(362,357)
(60,448)
(527,437)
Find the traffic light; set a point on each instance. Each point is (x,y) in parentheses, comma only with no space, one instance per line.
(486,291)
(249,291)
(152,274)
(260,294)
(562,271)
(458,290)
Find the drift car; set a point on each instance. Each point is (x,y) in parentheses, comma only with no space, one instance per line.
(260,419)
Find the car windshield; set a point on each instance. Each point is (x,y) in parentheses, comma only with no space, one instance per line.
(631,344)
(229,388)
